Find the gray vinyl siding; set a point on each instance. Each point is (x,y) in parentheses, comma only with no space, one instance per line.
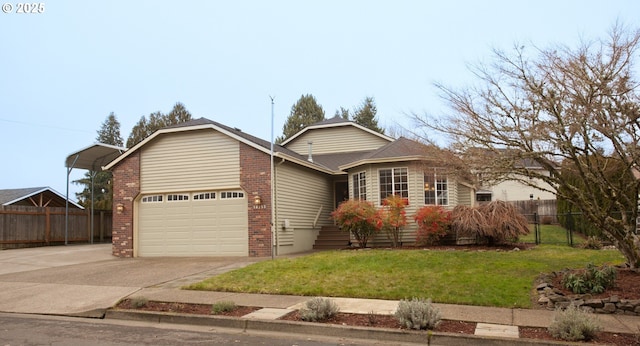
(415,171)
(193,160)
(335,140)
(465,195)
(300,193)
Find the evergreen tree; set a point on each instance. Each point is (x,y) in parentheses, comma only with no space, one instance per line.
(304,112)
(343,113)
(144,128)
(366,115)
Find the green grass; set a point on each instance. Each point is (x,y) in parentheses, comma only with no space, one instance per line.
(552,234)
(486,278)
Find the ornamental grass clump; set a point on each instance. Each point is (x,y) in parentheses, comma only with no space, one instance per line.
(499,222)
(574,324)
(358,217)
(319,309)
(139,302)
(222,307)
(418,314)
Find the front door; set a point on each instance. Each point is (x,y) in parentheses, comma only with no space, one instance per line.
(341,192)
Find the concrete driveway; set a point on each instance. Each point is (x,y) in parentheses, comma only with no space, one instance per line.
(85,280)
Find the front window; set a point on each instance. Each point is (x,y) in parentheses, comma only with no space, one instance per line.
(360,186)
(436,191)
(393,181)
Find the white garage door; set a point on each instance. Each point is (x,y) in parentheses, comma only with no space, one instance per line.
(212,223)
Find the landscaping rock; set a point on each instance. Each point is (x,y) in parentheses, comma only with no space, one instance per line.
(609,308)
(594,303)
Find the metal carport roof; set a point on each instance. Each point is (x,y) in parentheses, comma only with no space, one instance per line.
(91,158)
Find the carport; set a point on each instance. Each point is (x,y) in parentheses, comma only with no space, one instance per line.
(91,158)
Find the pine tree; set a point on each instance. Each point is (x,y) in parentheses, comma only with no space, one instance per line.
(366,115)
(304,112)
(145,127)
(342,113)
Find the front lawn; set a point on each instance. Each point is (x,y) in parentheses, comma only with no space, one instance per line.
(489,278)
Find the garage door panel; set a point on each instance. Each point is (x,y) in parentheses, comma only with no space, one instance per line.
(216,227)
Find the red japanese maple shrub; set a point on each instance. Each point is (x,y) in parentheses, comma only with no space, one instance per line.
(433,224)
(358,217)
(392,217)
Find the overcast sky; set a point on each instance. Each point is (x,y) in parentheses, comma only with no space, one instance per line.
(64,70)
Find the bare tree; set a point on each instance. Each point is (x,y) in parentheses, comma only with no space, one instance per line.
(561,107)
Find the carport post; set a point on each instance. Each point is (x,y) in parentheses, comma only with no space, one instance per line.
(93,175)
(66,209)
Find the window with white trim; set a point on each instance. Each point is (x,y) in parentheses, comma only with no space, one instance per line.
(177,197)
(436,189)
(204,196)
(393,181)
(152,199)
(360,186)
(231,194)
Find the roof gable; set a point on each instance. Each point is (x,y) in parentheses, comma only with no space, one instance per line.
(334,122)
(12,196)
(237,134)
(402,149)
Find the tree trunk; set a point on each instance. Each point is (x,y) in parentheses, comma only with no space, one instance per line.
(628,243)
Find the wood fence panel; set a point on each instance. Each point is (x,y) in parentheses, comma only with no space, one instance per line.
(546,209)
(22,226)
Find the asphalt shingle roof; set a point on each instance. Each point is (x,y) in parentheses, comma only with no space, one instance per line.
(10,195)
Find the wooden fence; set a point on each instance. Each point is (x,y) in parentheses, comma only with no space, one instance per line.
(545,209)
(24,226)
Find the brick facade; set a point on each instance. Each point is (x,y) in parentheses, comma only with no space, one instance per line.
(255,179)
(126,183)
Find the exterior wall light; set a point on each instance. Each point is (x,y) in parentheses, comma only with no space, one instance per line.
(257,201)
(119,208)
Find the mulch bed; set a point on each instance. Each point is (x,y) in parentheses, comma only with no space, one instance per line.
(372,320)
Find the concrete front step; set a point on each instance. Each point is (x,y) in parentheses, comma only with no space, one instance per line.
(331,238)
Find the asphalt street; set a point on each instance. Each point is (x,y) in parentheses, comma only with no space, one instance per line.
(18,329)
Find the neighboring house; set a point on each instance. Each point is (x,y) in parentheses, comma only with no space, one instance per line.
(201,188)
(510,190)
(35,197)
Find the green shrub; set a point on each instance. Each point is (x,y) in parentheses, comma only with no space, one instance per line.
(592,243)
(222,306)
(418,314)
(574,324)
(138,302)
(319,309)
(591,280)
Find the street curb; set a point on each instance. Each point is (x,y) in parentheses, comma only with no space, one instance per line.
(321,329)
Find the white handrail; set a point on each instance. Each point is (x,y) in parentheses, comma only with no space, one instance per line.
(315,222)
